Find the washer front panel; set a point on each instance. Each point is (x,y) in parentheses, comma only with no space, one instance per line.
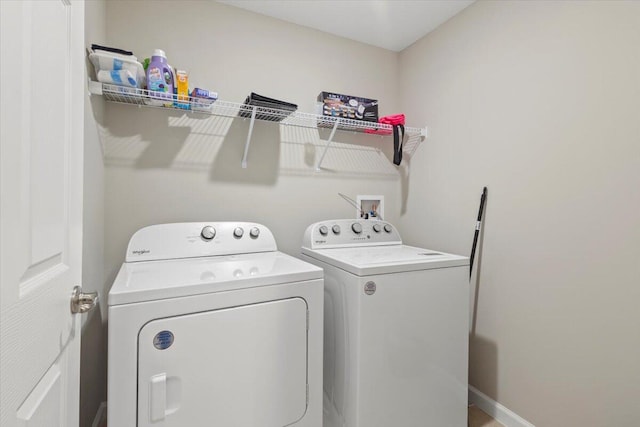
(240,366)
(395,348)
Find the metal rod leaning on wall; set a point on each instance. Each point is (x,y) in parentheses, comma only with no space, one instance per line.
(483,198)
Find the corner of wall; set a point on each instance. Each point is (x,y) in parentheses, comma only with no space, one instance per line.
(93,371)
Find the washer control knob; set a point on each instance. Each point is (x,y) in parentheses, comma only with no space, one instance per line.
(336,229)
(254,232)
(387,228)
(377,228)
(238,232)
(208,232)
(323,230)
(356,227)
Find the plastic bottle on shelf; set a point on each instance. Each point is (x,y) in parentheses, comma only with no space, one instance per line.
(160,81)
(182,89)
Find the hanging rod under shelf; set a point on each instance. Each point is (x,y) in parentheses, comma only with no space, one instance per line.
(144,98)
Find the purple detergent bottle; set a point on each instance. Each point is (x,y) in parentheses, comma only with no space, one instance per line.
(160,80)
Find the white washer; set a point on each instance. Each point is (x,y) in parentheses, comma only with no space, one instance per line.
(210,325)
(396,327)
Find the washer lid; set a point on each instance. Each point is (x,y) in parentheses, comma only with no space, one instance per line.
(155,280)
(369,260)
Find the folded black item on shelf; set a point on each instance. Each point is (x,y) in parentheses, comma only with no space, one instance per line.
(269,109)
(95,47)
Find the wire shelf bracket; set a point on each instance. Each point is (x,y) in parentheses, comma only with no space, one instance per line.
(326,147)
(248,143)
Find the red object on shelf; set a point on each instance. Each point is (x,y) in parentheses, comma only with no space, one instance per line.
(393,120)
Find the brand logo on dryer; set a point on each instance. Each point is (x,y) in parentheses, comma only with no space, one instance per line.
(140,251)
(163,340)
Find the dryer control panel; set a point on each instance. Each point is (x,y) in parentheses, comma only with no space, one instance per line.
(198,239)
(338,233)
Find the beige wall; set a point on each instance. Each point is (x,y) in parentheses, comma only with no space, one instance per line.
(93,362)
(539,101)
(169,167)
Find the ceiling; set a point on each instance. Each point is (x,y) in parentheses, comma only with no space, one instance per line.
(389,24)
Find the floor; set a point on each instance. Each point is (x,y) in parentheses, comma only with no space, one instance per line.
(477,418)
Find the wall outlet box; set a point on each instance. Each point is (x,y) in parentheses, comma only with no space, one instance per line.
(370,207)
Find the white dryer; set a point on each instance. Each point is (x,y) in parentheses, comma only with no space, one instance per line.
(396,328)
(210,325)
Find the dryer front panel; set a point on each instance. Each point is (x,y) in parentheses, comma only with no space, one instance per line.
(241,366)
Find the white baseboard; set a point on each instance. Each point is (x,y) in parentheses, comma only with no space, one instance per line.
(476,397)
(497,411)
(101,415)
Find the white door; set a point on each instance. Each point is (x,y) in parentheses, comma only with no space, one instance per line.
(41,94)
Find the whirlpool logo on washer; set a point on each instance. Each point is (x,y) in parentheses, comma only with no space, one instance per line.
(370,288)
(141,251)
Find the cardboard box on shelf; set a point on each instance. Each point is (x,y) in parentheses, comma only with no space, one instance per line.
(347,106)
(202,99)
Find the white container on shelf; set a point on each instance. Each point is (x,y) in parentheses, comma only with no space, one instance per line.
(105,61)
(120,78)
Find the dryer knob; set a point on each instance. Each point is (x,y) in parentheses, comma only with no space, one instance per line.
(387,228)
(356,227)
(238,232)
(336,229)
(377,228)
(323,230)
(254,232)
(208,232)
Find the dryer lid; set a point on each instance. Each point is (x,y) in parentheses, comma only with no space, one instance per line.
(154,280)
(370,260)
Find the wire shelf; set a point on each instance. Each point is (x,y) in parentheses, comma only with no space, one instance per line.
(142,97)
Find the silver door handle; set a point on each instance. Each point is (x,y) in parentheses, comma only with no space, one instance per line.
(81,302)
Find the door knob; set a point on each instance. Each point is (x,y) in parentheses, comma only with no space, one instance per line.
(81,302)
